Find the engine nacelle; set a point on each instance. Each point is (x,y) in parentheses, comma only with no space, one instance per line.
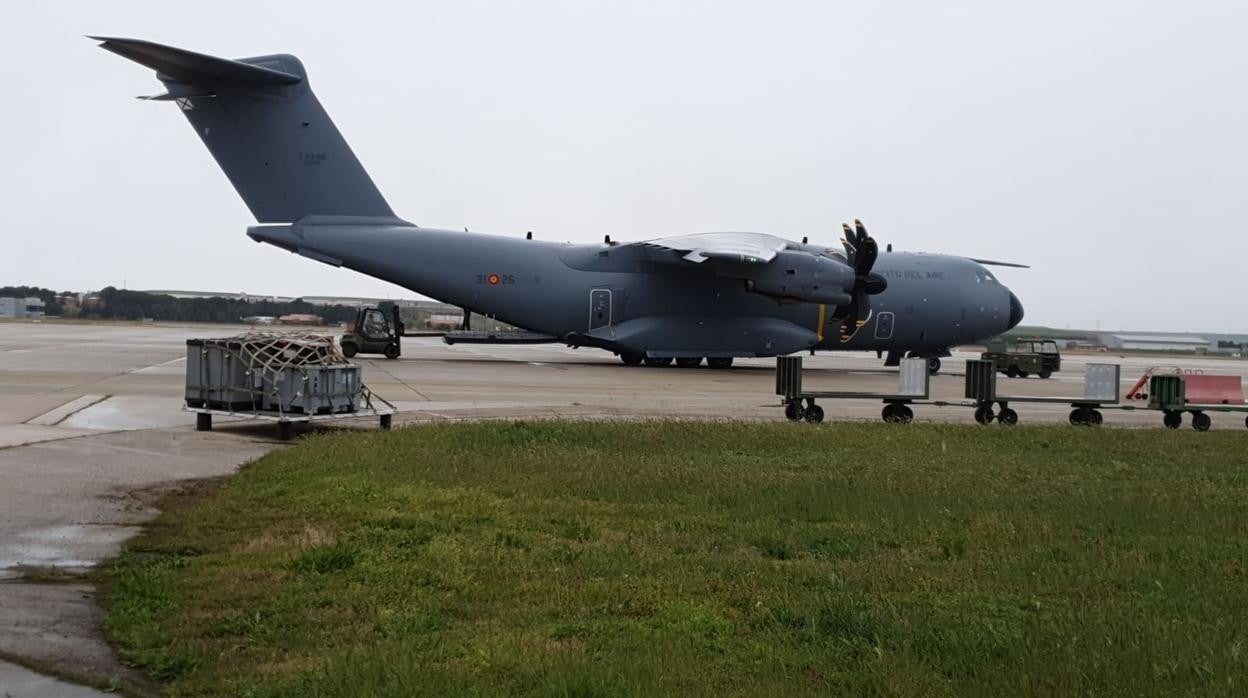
(802,277)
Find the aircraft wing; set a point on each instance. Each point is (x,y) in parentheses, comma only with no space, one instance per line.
(989,262)
(748,248)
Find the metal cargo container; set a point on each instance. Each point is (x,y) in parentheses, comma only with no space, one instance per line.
(314,390)
(217,379)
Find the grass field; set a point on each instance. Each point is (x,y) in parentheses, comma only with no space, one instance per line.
(580,559)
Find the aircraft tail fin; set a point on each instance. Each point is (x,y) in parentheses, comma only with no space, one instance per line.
(267,130)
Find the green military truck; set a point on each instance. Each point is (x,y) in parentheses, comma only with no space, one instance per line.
(1026,357)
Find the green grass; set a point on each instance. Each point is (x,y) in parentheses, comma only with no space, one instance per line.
(581,559)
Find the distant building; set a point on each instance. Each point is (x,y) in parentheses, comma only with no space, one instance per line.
(444,321)
(21,307)
(259,319)
(1157,342)
(300,319)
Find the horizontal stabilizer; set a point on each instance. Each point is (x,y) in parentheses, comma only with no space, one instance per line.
(196,68)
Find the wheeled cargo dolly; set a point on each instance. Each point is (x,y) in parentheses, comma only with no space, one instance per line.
(1100,389)
(1168,394)
(913,379)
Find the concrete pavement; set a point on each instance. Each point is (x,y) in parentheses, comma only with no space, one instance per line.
(90,426)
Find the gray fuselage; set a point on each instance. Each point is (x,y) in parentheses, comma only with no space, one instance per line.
(620,298)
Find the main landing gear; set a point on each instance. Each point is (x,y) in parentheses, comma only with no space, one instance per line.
(1086,417)
(1006,417)
(632,359)
(812,413)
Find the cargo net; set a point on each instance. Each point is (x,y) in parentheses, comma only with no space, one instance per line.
(262,359)
(270,353)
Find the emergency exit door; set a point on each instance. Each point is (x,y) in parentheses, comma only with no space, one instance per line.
(599,308)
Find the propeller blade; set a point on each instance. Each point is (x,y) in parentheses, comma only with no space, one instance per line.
(869,249)
(861,252)
(858,314)
(848,243)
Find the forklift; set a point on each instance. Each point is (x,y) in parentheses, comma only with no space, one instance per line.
(374,333)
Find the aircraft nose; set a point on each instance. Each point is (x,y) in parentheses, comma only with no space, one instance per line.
(1016,311)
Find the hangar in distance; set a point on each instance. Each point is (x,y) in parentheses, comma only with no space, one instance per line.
(708,296)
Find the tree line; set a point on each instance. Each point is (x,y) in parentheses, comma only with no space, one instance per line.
(50,298)
(122,304)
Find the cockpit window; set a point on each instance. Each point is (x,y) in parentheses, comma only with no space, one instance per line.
(984,277)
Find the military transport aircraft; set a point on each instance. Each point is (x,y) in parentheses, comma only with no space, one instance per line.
(711,296)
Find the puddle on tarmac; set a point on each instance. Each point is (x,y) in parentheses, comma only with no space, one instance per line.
(73,546)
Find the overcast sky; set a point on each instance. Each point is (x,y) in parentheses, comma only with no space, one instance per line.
(1115,131)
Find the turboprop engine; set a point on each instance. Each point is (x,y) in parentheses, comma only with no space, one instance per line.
(796,276)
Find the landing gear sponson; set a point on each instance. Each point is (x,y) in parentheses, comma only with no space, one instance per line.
(632,359)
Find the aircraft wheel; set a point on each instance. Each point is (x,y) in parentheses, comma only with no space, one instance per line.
(933,366)
(392,351)
(813,414)
(722,362)
(349,349)
(793,411)
(1023,374)
(1246,421)
(1008,417)
(1012,372)
(983,415)
(1045,373)
(658,360)
(1201,421)
(631,359)
(1172,419)
(689,361)
(1077,416)
(1095,418)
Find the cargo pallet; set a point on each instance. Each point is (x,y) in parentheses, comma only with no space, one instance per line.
(285,420)
(281,378)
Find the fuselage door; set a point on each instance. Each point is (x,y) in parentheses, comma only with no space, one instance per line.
(599,308)
(884,325)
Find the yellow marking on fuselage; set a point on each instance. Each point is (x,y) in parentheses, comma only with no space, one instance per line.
(823,311)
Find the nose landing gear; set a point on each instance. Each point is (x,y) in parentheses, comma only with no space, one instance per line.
(933,362)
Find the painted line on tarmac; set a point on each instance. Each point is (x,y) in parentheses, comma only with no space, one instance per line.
(55,416)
